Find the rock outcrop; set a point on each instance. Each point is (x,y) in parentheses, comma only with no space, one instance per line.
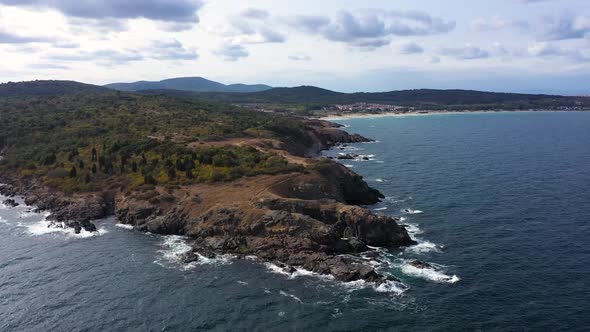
(301,220)
(75,211)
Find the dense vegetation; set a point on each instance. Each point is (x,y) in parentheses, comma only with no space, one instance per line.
(316,98)
(87,142)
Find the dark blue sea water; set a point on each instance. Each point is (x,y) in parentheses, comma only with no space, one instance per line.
(505,205)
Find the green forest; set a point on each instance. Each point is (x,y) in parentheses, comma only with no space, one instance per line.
(90,141)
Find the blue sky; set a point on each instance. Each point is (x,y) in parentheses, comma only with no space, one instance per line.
(502,45)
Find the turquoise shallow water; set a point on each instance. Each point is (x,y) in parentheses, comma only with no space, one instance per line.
(504,204)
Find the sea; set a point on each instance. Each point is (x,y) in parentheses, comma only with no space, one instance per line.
(499,204)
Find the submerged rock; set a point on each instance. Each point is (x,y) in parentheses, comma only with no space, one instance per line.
(10,202)
(347,157)
(421,265)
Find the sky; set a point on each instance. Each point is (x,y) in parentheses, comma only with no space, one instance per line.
(534,46)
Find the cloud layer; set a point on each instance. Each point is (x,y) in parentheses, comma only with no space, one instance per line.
(163,10)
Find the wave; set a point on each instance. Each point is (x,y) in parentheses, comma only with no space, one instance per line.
(299,272)
(395,199)
(28,214)
(380,180)
(175,247)
(431,274)
(380,209)
(291,296)
(390,286)
(410,211)
(42,226)
(349,166)
(45,227)
(217,260)
(412,229)
(423,247)
(124,226)
(362,157)
(347,148)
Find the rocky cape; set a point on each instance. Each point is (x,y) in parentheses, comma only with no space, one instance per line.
(310,219)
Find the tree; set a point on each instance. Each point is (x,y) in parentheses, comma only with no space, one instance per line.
(149,179)
(94,169)
(101,161)
(81,164)
(94,154)
(180,165)
(73,172)
(171,172)
(134,167)
(49,159)
(87,178)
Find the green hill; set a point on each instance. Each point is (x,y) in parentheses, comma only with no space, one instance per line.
(47,88)
(313,98)
(196,84)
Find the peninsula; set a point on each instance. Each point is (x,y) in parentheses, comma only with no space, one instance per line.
(231,179)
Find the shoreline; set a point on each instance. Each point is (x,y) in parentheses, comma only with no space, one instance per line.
(427,113)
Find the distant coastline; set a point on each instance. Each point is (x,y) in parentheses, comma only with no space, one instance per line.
(347,116)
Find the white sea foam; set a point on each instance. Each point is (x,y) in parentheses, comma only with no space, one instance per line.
(412,229)
(362,157)
(349,166)
(299,272)
(291,296)
(348,148)
(45,227)
(124,226)
(27,214)
(380,209)
(2,221)
(174,247)
(423,247)
(380,180)
(41,226)
(242,282)
(390,286)
(395,199)
(410,211)
(217,260)
(431,274)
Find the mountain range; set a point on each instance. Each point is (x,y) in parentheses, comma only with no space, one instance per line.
(307,98)
(195,84)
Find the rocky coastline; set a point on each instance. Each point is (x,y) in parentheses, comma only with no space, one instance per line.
(310,220)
